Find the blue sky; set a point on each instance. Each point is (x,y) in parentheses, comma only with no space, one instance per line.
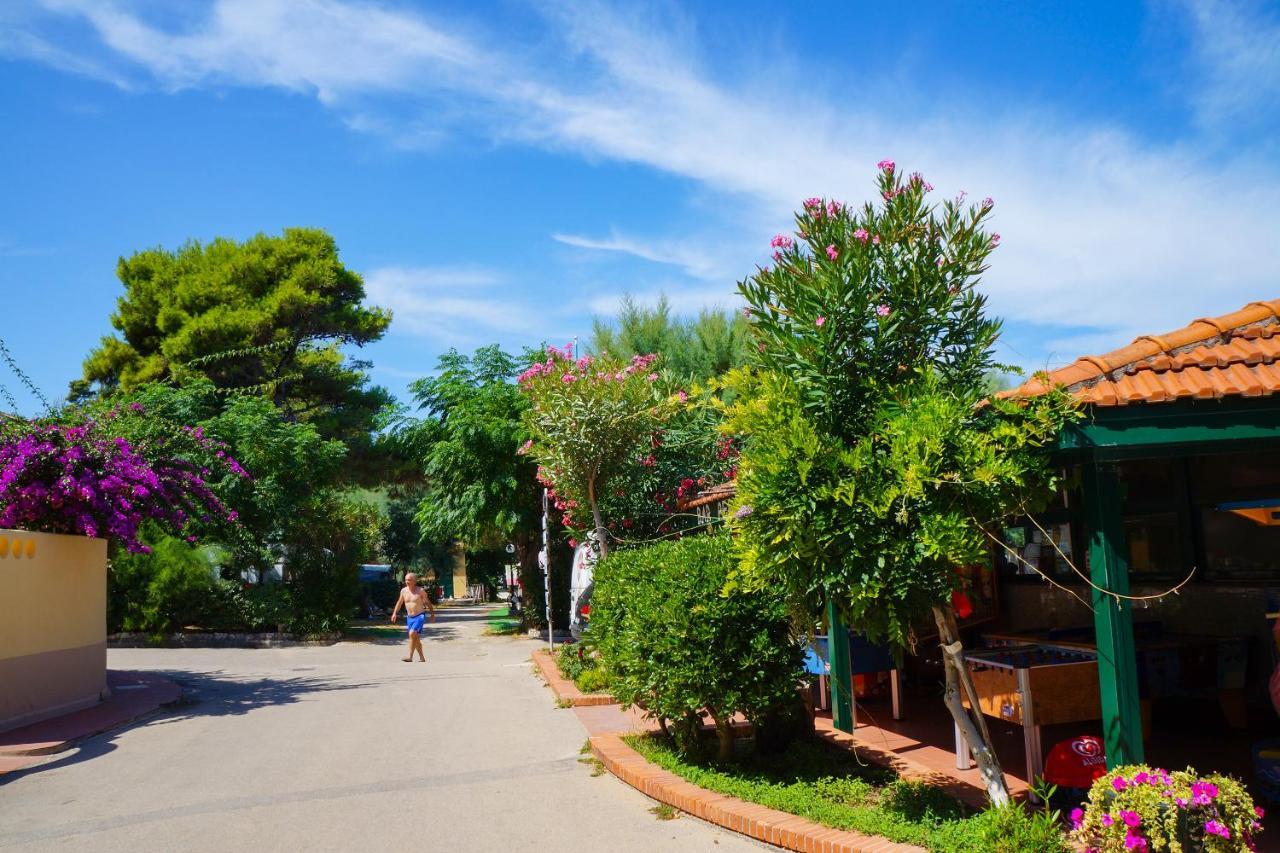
(505,171)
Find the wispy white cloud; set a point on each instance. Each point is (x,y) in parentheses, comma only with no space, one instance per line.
(1102,229)
(450,306)
(1237,56)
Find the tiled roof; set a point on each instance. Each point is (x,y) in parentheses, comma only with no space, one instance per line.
(1235,355)
(711,495)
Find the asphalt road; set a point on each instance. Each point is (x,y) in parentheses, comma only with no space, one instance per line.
(343,748)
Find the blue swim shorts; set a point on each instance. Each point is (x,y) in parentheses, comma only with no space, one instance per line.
(415,623)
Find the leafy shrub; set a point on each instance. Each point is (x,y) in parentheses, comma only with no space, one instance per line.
(674,644)
(593,680)
(1137,807)
(572,661)
(173,586)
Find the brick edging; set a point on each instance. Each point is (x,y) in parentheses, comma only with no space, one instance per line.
(764,824)
(566,690)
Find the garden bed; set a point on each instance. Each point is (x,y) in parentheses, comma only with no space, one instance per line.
(834,791)
(565,690)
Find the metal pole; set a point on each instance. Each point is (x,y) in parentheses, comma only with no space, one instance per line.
(546,569)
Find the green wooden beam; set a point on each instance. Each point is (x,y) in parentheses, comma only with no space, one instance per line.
(841,676)
(1113,620)
(1118,432)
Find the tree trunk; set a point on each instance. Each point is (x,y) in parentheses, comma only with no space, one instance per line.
(724,737)
(530,580)
(602,535)
(973,726)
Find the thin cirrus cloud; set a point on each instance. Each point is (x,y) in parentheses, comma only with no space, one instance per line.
(1106,233)
(449,306)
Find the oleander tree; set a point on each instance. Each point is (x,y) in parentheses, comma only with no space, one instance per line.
(875,456)
(590,419)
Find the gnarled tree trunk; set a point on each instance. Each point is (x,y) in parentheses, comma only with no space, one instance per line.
(973,726)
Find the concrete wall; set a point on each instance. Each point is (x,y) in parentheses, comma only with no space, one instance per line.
(53,625)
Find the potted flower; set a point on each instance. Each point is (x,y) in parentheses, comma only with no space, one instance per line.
(1142,808)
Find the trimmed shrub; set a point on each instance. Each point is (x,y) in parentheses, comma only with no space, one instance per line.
(675,644)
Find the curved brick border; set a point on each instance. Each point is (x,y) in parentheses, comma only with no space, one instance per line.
(764,824)
(566,690)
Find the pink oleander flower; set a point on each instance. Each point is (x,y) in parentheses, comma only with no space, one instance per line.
(987,202)
(820,322)
(831,252)
(760,347)
(583,362)
(882,310)
(861,235)
(746,312)
(875,239)
(885,165)
(995,239)
(781,241)
(834,207)
(526,447)
(813,204)
(567,378)
(777,256)
(652,377)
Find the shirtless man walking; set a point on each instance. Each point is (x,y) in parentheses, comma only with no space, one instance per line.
(416,605)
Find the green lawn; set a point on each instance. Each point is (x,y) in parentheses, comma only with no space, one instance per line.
(831,787)
(502,623)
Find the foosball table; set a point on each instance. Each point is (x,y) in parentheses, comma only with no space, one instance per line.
(1033,686)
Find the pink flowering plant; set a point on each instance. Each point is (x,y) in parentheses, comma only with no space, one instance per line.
(1143,808)
(84,478)
(590,420)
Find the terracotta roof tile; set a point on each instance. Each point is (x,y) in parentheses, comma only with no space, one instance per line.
(1235,355)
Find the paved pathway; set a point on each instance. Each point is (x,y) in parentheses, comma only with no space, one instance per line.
(343,748)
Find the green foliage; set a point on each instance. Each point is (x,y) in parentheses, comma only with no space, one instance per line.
(323,556)
(874,453)
(266,317)
(1169,811)
(479,488)
(573,659)
(288,461)
(593,680)
(690,348)
(172,587)
(674,645)
(835,789)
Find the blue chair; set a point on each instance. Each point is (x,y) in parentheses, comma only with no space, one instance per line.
(865,658)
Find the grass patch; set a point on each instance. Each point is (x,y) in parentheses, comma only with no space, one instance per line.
(830,787)
(501,623)
(662,811)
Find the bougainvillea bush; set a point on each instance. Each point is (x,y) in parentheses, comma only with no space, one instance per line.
(79,478)
(1141,808)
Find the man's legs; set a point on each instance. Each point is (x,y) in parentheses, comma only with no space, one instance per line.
(413,638)
(415,642)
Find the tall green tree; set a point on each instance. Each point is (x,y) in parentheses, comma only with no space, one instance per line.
(876,456)
(478,485)
(269,316)
(691,348)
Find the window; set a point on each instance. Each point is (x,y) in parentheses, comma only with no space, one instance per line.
(1237,497)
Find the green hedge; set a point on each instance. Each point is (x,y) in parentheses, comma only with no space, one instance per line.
(674,644)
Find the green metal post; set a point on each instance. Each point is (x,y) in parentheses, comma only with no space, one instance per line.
(841,676)
(1113,619)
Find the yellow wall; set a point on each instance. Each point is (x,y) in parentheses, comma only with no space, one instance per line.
(53,623)
(459,571)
